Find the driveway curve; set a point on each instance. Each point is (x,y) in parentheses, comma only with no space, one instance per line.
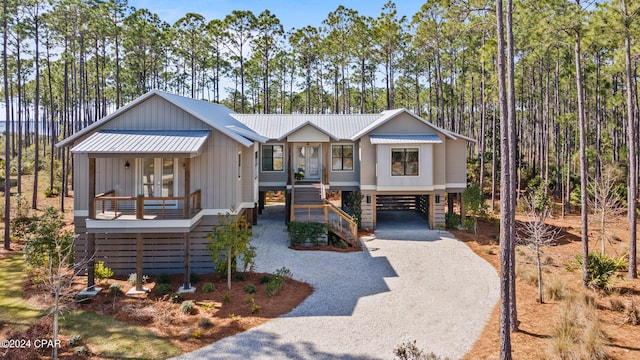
(402,287)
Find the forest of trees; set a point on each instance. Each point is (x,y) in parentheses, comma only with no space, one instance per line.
(571,75)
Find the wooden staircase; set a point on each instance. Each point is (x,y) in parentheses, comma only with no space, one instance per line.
(309,204)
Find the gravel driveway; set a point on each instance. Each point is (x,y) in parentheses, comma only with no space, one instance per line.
(410,284)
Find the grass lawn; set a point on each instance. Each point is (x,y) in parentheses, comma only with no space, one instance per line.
(103,334)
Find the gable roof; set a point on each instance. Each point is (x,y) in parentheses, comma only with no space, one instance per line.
(215,115)
(186,142)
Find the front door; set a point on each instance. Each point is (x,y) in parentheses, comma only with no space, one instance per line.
(158,180)
(309,159)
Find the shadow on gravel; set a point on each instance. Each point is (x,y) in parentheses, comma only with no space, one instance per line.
(262,344)
(403,225)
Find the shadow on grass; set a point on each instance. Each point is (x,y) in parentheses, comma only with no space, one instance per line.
(115,339)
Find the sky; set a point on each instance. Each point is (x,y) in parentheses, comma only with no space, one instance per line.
(292,13)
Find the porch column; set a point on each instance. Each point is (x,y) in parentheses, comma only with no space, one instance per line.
(462,210)
(450,203)
(262,196)
(139,258)
(187,189)
(186,283)
(91,238)
(325,164)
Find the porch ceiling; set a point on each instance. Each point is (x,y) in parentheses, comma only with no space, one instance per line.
(141,142)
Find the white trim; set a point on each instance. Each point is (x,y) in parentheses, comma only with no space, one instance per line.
(353,157)
(343,183)
(405,188)
(284,157)
(266,183)
(80,213)
(456,185)
(368,187)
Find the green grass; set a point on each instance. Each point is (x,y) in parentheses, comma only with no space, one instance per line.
(110,338)
(115,339)
(14,311)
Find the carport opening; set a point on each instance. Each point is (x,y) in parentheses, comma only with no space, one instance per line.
(402,209)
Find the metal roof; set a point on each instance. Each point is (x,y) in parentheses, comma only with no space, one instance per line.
(405,139)
(278,126)
(143,142)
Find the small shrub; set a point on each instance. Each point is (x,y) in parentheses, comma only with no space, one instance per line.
(115,289)
(306,232)
(207,306)
(133,277)
(255,307)
(75,340)
(528,276)
(208,287)
(489,251)
(194,278)
(284,273)
(410,351)
(163,289)
(162,279)
(250,288)
(226,298)
(240,276)
(81,350)
(616,304)
(102,272)
(452,220)
(569,267)
(274,286)
(196,334)
(601,270)
(233,316)
(248,299)
(556,289)
(187,306)
(468,224)
(204,323)
(176,298)
(265,279)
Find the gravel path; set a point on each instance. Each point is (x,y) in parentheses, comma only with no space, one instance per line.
(432,289)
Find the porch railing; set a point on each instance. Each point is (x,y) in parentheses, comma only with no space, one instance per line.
(336,218)
(116,206)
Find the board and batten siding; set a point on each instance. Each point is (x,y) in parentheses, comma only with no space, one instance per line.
(440,163)
(274,179)
(456,168)
(367,155)
(162,253)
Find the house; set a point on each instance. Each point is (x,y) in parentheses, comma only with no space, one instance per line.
(152,178)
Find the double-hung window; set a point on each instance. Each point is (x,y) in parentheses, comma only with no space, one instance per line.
(272,157)
(342,157)
(404,162)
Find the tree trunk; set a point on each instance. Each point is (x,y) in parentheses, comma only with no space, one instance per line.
(7,147)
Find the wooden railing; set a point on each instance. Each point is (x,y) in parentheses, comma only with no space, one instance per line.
(333,216)
(136,204)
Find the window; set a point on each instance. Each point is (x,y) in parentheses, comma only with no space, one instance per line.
(272,157)
(342,157)
(404,162)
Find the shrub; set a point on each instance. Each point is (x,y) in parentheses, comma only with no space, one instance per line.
(226,298)
(102,272)
(264,279)
(410,351)
(115,289)
(162,279)
(47,240)
(489,251)
(163,289)
(187,306)
(240,276)
(208,287)
(133,277)
(278,281)
(75,340)
(528,276)
(204,322)
(556,289)
(451,220)
(81,350)
(601,270)
(255,307)
(194,278)
(248,299)
(196,334)
(176,298)
(306,232)
(250,288)
(354,206)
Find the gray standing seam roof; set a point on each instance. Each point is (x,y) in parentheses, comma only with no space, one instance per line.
(405,139)
(143,141)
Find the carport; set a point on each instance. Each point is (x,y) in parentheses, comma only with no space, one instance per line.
(406,209)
